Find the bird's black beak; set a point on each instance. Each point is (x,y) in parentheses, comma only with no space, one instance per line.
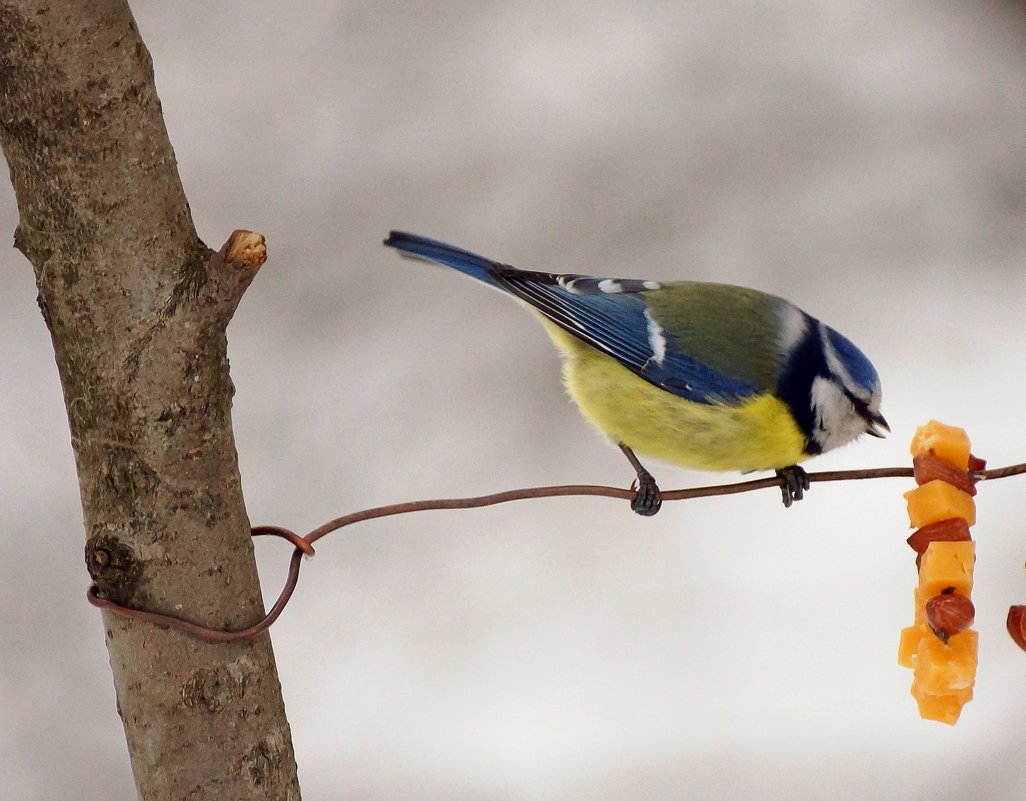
(877,422)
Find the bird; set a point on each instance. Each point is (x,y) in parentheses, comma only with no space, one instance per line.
(702,375)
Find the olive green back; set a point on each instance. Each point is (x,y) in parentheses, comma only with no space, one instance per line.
(731,329)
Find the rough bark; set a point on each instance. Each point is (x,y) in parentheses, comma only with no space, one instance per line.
(137,307)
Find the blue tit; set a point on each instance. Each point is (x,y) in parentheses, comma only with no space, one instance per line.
(702,375)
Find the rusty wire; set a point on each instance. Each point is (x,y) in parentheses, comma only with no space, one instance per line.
(303,546)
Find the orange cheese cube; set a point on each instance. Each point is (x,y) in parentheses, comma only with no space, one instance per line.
(938,500)
(944,565)
(943,708)
(908,645)
(949,443)
(945,668)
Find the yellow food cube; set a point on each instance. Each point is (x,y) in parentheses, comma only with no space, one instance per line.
(942,708)
(946,564)
(938,500)
(908,645)
(942,669)
(949,443)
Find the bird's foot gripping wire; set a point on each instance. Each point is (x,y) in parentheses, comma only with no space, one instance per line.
(793,483)
(647,499)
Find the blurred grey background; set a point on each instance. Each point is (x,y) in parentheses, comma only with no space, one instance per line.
(865,159)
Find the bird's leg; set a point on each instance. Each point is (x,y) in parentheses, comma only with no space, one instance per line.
(793,483)
(647,500)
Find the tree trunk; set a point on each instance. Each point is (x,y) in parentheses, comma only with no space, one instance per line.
(137,308)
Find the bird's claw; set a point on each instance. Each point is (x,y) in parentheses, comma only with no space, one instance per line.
(793,483)
(647,497)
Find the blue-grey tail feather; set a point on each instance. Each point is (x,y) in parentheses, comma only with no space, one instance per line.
(463,260)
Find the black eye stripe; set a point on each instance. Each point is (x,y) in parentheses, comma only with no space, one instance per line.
(860,405)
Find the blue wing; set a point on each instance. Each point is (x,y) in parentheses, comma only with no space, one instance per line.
(609,314)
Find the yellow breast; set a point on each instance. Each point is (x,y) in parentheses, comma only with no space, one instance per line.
(757,434)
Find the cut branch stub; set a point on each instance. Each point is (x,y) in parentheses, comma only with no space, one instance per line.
(245,249)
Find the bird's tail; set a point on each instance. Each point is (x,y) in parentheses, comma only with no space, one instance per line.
(431,250)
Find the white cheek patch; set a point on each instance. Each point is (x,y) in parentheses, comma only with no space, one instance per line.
(821,396)
(836,422)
